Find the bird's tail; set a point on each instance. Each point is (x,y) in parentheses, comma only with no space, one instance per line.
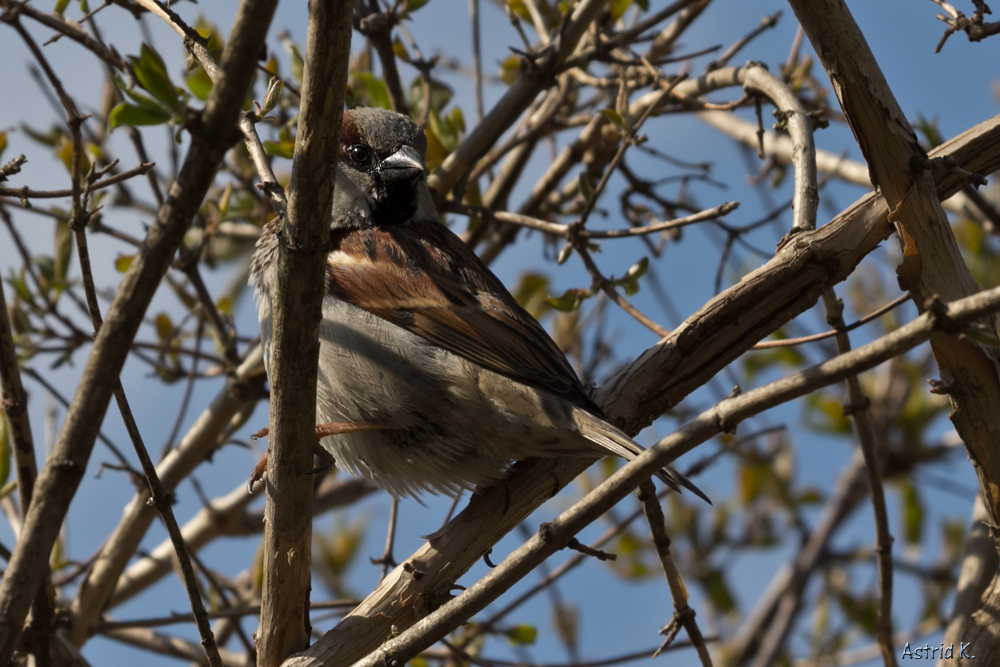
(613,441)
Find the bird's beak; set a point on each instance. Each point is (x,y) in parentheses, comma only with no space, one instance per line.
(404,165)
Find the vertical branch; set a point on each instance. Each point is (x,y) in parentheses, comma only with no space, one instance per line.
(932,264)
(304,240)
(377,27)
(683,614)
(15,408)
(477,59)
(858,409)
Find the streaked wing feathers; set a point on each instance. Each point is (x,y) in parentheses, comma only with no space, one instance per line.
(424,279)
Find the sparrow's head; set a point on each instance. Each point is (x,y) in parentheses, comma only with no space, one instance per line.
(380,174)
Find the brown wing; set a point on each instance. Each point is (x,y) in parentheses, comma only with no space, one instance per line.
(424,279)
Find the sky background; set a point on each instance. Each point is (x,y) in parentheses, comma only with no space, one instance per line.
(957,87)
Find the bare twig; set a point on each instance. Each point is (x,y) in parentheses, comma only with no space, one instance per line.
(895,303)
(377,27)
(27,193)
(974,27)
(683,613)
(386,560)
(477,59)
(563,230)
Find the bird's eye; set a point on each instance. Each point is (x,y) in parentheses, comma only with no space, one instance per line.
(358,153)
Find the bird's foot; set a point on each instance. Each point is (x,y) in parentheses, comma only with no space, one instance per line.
(325,459)
(337,428)
(257,473)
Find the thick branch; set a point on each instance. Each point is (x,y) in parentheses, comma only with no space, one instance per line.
(932,261)
(304,241)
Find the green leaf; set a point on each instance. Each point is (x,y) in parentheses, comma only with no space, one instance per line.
(52,138)
(615,117)
(456,120)
(399,49)
(273,95)
(64,249)
(60,7)
(208,30)
(931,130)
(980,336)
(296,56)
(644,4)
(136,95)
(164,328)
(630,281)
(122,262)
(129,114)
(824,413)
(521,635)
(751,482)
(20,285)
(585,188)
(65,153)
(46,268)
(414,5)
(510,69)
(569,301)
(199,83)
(863,610)
(284,149)
(913,514)
(378,93)
(151,72)
(531,293)
(440,94)
(618,8)
(718,591)
(3,142)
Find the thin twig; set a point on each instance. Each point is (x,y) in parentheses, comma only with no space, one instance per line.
(683,613)
(858,410)
(477,59)
(386,560)
(27,193)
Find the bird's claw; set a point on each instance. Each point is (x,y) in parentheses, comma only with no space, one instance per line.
(325,458)
(258,471)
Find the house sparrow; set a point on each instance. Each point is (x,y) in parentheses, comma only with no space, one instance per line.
(431,377)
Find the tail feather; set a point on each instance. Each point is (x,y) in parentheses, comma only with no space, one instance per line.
(615,442)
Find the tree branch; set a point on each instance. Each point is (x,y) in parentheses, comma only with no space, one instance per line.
(932,261)
(304,240)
